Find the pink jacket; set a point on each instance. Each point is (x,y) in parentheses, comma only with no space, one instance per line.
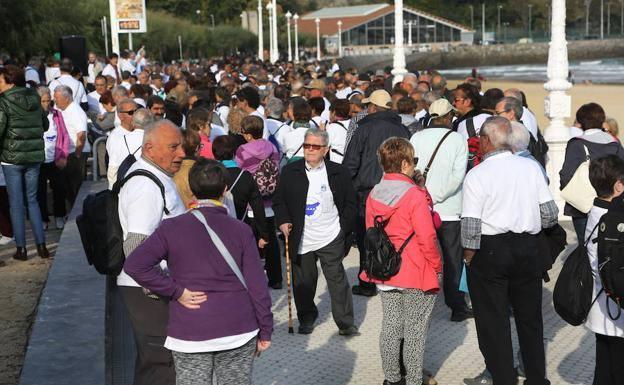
(397,197)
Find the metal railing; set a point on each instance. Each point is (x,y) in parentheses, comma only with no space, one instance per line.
(94,153)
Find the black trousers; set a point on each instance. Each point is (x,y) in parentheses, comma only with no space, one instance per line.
(50,173)
(449,235)
(75,173)
(305,278)
(506,271)
(609,359)
(360,233)
(271,252)
(149,317)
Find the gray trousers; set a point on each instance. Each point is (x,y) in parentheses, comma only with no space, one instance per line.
(305,277)
(406,315)
(229,367)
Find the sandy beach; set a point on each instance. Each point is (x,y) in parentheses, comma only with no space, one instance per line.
(605,95)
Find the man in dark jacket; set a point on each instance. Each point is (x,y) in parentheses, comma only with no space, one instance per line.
(315,208)
(361,161)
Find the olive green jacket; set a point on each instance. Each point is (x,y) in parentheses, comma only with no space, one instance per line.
(22,123)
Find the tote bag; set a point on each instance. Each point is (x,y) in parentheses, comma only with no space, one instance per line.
(579,192)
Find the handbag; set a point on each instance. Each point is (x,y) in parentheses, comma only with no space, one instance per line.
(579,192)
(225,253)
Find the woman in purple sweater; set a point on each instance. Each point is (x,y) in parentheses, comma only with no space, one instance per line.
(215,324)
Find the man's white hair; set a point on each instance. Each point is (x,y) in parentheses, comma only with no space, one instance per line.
(498,131)
(65,92)
(519,137)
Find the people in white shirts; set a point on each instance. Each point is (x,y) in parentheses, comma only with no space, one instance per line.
(527,117)
(337,129)
(442,155)
(94,68)
(119,93)
(93,97)
(300,113)
(79,147)
(112,68)
(126,139)
(31,72)
(342,89)
(275,126)
(607,177)
(506,203)
(316,89)
(317,105)
(141,209)
(79,93)
(470,118)
(52,70)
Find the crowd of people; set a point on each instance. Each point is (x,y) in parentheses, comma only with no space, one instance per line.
(243,155)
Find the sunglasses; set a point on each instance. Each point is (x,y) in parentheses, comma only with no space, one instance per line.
(129,112)
(315,147)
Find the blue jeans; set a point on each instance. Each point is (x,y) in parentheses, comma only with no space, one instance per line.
(23,180)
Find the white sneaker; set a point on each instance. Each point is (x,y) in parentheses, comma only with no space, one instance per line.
(5,240)
(60,222)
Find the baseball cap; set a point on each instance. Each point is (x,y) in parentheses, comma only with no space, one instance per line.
(316,84)
(379,98)
(440,107)
(363,78)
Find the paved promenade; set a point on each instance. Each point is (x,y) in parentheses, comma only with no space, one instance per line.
(452,351)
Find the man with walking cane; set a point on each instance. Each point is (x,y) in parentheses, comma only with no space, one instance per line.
(315,207)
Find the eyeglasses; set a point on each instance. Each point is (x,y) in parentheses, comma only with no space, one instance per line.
(458,99)
(100,84)
(129,112)
(315,147)
(497,113)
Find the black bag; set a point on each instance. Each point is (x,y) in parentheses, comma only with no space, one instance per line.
(128,161)
(611,256)
(382,260)
(572,296)
(538,148)
(100,230)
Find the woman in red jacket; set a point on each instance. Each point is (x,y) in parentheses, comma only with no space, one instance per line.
(407,297)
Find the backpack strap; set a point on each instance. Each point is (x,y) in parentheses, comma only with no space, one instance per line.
(236,180)
(278,128)
(380,222)
(128,147)
(315,123)
(470,127)
(404,245)
(148,174)
(225,253)
(435,152)
(340,124)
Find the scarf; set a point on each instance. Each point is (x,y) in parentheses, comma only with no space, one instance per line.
(61,148)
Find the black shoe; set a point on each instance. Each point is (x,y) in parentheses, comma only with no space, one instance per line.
(275,286)
(42,251)
(461,315)
(20,254)
(351,331)
(482,379)
(402,382)
(305,329)
(359,290)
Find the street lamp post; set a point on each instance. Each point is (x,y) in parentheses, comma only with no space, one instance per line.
(530,33)
(608,19)
(339,38)
(260,37)
(498,29)
(557,104)
(105,33)
(505,25)
(275,44)
(482,23)
(601,19)
(269,8)
(288,16)
(399,50)
(296,20)
(212,20)
(318,38)
(471,16)
(409,33)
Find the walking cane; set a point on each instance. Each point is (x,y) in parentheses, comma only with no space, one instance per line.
(290,320)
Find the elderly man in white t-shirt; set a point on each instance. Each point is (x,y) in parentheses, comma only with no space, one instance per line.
(93,97)
(76,123)
(142,208)
(79,94)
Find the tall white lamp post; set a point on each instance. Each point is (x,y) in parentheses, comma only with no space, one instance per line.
(269,8)
(318,38)
(557,104)
(339,38)
(260,34)
(399,50)
(288,16)
(296,20)
(275,48)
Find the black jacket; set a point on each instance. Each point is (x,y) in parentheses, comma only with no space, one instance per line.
(361,156)
(289,201)
(246,192)
(575,155)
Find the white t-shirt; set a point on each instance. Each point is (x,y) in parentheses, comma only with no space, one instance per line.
(223,112)
(505,192)
(93,98)
(529,121)
(78,91)
(126,85)
(118,151)
(293,141)
(109,70)
(75,122)
(91,73)
(478,121)
(126,65)
(343,93)
(321,221)
(52,73)
(337,132)
(49,140)
(141,207)
(277,129)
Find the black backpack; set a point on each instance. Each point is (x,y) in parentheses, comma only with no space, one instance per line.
(538,148)
(128,161)
(572,296)
(382,260)
(611,256)
(100,230)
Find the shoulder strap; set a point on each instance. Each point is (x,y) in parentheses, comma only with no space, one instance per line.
(341,125)
(435,152)
(148,174)
(225,253)
(315,123)
(128,147)
(406,242)
(279,128)
(590,235)
(470,127)
(236,180)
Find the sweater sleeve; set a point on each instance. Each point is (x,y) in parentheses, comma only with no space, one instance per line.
(142,263)
(257,285)
(425,233)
